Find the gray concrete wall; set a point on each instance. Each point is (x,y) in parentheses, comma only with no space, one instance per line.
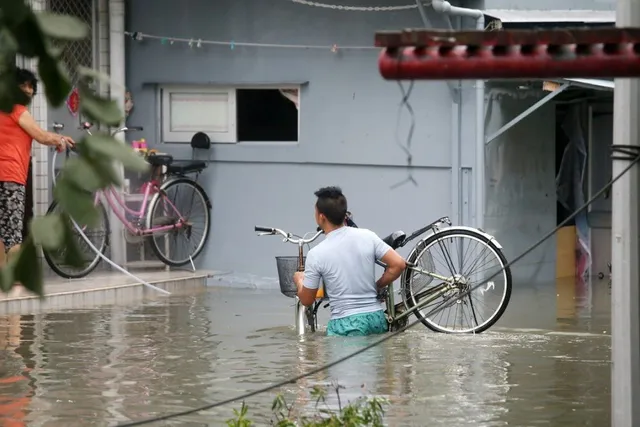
(520,182)
(347,126)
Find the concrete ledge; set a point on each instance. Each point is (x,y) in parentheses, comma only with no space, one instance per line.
(104,289)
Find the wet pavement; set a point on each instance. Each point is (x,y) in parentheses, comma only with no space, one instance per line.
(546,363)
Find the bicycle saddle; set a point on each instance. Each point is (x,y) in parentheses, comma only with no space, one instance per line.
(200,141)
(160,159)
(395,239)
(187,166)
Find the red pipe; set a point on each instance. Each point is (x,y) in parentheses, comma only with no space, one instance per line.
(511,61)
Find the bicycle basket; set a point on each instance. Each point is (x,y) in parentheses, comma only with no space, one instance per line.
(287,265)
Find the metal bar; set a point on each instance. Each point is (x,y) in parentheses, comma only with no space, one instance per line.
(424,38)
(510,62)
(527,112)
(422,303)
(117,71)
(300,317)
(412,267)
(625,289)
(423,14)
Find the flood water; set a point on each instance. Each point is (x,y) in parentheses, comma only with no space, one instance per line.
(546,363)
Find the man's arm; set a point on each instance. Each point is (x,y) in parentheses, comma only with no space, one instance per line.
(308,281)
(395,263)
(29,125)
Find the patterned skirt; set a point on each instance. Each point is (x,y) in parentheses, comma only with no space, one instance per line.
(12,205)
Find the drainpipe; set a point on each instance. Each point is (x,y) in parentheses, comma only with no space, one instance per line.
(117,72)
(444,7)
(456,114)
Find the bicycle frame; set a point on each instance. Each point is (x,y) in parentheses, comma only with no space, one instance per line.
(118,204)
(120,209)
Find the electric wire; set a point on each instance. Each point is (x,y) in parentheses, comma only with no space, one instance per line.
(293,380)
(404,103)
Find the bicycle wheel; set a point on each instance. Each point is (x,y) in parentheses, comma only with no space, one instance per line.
(181,203)
(487,261)
(98,236)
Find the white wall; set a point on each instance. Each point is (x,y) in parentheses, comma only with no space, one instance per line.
(520,180)
(599,213)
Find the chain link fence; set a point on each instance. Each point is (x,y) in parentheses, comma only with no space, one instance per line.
(78,53)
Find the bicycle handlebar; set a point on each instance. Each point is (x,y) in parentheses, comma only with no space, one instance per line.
(88,125)
(288,237)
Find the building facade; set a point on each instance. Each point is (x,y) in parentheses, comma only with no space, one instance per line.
(300,104)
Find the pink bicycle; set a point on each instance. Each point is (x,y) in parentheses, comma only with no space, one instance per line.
(166,216)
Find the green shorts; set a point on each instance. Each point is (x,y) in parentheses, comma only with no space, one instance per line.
(359,325)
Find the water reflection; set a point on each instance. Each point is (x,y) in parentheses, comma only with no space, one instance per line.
(15,385)
(545,363)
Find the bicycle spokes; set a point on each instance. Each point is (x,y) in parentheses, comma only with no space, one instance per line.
(180,223)
(465,260)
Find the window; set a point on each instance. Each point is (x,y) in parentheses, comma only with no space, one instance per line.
(187,110)
(229,115)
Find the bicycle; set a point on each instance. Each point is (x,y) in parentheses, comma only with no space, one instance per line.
(416,294)
(158,216)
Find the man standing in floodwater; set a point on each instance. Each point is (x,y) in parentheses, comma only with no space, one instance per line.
(345,262)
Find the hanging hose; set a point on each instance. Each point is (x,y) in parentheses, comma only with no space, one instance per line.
(96,250)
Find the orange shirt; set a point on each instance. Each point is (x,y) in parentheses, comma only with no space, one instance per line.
(15,147)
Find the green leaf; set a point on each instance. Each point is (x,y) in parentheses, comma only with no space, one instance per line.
(73,256)
(62,27)
(107,170)
(77,203)
(28,271)
(8,43)
(53,50)
(104,166)
(14,11)
(48,231)
(9,90)
(31,41)
(99,109)
(107,146)
(95,76)
(83,175)
(56,82)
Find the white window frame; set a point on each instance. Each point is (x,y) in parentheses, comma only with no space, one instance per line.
(185,136)
(230,137)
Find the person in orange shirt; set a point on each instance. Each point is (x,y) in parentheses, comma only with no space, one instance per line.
(17,131)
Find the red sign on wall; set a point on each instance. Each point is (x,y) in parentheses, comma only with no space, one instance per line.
(73,102)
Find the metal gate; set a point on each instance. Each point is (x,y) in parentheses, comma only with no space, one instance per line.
(77,53)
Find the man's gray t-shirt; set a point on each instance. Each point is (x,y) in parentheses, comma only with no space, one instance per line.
(345,262)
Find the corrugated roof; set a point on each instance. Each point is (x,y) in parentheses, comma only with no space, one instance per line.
(525,16)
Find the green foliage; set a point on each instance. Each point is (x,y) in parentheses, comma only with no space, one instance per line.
(363,412)
(35,35)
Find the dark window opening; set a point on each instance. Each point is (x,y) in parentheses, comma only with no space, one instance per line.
(265,115)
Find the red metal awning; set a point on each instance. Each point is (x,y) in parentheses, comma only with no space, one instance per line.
(443,55)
